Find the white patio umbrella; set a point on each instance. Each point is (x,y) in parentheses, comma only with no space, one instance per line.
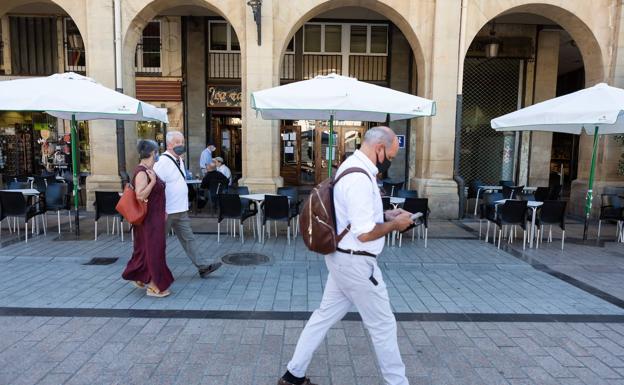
(596,110)
(74,97)
(334,97)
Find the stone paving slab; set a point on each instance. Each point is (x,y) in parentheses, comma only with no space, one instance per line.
(599,264)
(450,276)
(93,351)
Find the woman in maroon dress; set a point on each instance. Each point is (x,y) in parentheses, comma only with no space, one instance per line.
(148,267)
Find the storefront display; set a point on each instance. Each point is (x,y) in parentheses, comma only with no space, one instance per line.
(35,144)
(154,131)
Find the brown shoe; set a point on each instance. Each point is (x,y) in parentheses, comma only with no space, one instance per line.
(284,382)
(205,270)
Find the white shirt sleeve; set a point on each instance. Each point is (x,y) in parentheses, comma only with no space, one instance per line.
(163,170)
(360,212)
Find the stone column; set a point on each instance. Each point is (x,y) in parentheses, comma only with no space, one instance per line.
(101,66)
(546,66)
(195,90)
(435,136)
(261,167)
(6,42)
(399,80)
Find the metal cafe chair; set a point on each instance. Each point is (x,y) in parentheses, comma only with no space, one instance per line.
(14,206)
(510,214)
(231,207)
(57,199)
(276,208)
(418,205)
(487,211)
(551,213)
(105,203)
(611,209)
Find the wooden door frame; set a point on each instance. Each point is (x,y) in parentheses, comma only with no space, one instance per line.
(320,172)
(297,150)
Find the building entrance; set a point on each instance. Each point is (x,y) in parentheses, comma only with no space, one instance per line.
(305,149)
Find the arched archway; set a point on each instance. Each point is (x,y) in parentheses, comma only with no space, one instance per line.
(393,12)
(544,51)
(40,38)
(569,19)
(370,40)
(72,8)
(191,68)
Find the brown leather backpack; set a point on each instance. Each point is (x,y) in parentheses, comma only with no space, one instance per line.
(317,220)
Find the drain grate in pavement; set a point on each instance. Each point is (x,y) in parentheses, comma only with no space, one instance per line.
(101,261)
(245,259)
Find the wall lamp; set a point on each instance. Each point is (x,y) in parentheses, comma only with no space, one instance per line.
(256,7)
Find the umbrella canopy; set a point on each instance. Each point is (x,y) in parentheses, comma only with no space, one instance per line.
(599,106)
(338,97)
(74,97)
(70,95)
(596,110)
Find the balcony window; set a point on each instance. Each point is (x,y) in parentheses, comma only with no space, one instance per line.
(222,37)
(148,53)
(358,38)
(312,38)
(379,39)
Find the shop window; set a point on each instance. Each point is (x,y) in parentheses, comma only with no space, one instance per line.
(148,53)
(223,37)
(74,47)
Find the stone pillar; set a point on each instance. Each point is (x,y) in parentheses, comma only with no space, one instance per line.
(546,66)
(401,55)
(6,42)
(195,90)
(261,167)
(609,151)
(100,53)
(436,135)
(508,155)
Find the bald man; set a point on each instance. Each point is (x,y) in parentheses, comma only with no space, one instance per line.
(354,276)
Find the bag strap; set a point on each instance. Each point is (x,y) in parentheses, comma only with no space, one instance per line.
(350,170)
(346,172)
(176,164)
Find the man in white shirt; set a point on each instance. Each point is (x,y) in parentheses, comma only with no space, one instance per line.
(206,158)
(170,168)
(354,276)
(223,169)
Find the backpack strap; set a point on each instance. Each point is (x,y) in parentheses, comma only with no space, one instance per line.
(346,172)
(176,165)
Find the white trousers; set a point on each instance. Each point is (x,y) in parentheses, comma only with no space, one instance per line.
(349,283)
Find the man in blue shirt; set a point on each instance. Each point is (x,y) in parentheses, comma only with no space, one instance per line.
(206,158)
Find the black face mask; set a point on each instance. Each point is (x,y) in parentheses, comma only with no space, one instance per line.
(385,165)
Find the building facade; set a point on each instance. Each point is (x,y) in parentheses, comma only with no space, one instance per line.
(201,59)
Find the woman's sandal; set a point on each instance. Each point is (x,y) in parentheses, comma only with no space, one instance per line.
(138,284)
(151,292)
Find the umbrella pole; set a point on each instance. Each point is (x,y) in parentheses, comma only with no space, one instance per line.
(74,146)
(590,184)
(331,144)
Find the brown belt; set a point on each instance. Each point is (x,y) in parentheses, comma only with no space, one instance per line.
(364,253)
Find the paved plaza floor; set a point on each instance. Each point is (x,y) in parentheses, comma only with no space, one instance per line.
(468,312)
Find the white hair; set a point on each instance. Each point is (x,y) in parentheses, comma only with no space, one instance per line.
(171,135)
(379,134)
